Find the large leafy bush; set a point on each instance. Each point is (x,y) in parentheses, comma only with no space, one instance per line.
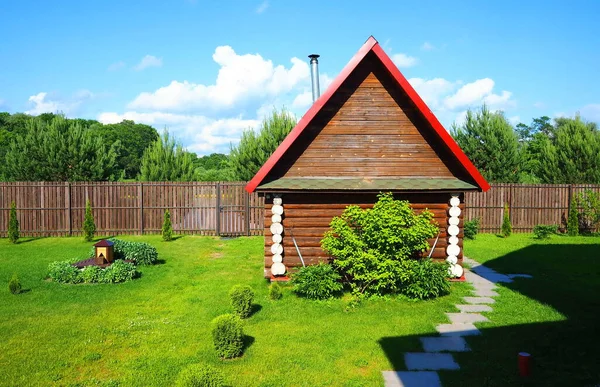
(370,246)
(119,271)
(198,375)
(241,297)
(317,282)
(589,215)
(64,273)
(228,336)
(139,252)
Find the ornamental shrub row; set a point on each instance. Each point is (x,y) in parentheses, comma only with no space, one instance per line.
(139,252)
(65,273)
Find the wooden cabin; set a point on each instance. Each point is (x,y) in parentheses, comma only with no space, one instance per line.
(370,132)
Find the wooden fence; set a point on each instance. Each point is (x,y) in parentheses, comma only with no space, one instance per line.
(224,208)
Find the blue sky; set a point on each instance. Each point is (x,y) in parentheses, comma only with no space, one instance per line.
(208,70)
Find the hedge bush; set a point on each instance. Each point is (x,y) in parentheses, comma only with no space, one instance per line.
(91,274)
(275,291)
(198,375)
(543,231)
(317,282)
(14,285)
(228,336)
(471,228)
(241,297)
(424,279)
(64,273)
(140,252)
(119,271)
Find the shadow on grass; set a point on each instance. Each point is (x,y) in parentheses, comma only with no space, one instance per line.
(564,353)
(159,262)
(248,341)
(29,239)
(255,309)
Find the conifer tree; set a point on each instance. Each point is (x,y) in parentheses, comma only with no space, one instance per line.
(89,227)
(167,228)
(166,160)
(573,220)
(13,224)
(506,226)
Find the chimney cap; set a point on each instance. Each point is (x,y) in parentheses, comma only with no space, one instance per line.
(314,56)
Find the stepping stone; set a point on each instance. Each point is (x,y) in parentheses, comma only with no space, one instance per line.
(485,293)
(483,286)
(411,379)
(466,329)
(440,344)
(479,300)
(474,308)
(464,318)
(511,276)
(417,361)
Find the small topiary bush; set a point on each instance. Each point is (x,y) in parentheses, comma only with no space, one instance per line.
(167,228)
(14,285)
(13,224)
(471,228)
(424,279)
(241,297)
(89,227)
(275,291)
(228,336)
(317,282)
(543,231)
(119,271)
(91,274)
(64,273)
(198,375)
(506,228)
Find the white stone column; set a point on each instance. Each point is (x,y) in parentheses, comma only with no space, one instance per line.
(453,250)
(277,266)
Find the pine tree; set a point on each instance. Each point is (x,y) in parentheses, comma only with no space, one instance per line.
(13,224)
(89,227)
(167,228)
(506,226)
(14,285)
(166,160)
(573,220)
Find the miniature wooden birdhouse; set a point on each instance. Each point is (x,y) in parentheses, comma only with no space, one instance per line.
(104,252)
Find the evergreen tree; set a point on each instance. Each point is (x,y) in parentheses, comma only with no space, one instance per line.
(506,229)
(166,160)
(491,143)
(13,224)
(573,220)
(89,227)
(255,148)
(167,228)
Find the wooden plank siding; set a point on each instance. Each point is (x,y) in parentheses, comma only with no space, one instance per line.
(308,217)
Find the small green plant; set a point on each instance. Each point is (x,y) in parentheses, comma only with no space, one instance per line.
(471,228)
(167,228)
(241,297)
(275,291)
(228,336)
(589,217)
(64,273)
(89,227)
(91,274)
(199,375)
(317,282)
(141,253)
(119,271)
(506,228)
(13,224)
(573,221)
(543,231)
(424,279)
(14,285)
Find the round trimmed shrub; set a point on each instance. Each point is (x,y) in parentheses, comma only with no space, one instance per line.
(228,336)
(198,375)
(14,285)
(64,273)
(275,291)
(241,297)
(317,282)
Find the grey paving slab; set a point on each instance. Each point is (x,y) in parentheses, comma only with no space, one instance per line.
(467,329)
(479,300)
(485,293)
(464,318)
(411,379)
(476,308)
(426,361)
(441,344)
(511,276)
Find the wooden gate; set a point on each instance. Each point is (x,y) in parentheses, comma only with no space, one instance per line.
(233,205)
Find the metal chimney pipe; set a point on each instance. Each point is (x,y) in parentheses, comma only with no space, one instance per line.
(314,75)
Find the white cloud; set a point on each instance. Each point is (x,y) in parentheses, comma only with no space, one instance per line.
(403,60)
(427,46)
(240,78)
(591,112)
(45,103)
(304,99)
(116,66)
(514,120)
(148,61)
(432,91)
(262,7)
(479,92)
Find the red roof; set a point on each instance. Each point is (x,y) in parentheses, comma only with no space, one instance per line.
(104,243)
(371,45)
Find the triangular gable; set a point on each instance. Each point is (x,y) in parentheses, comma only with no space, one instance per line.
(371,46)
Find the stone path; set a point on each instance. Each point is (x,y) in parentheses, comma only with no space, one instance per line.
(436,355)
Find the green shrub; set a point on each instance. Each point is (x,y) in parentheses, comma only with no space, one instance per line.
(91,274)
(317,282)
(573,221)
(424,279)
(471,228)
(89,227)
(589,217)
(140,252)
(64,273)
(198,375)
(228,336)
(14,285)
(13,224)
(506,228)
(275,291)
(370,245)
(543,231)
(119,271)
(241,298)
(167,228)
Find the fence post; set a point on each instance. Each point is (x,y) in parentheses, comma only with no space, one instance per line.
(247,217)
(69,210)
(218,210)
(141,207)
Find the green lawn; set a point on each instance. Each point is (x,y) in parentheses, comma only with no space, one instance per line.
(553,316)
(142,333)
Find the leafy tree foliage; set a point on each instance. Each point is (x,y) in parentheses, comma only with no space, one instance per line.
(255,148)
(491,143)
(213,167)
(166,160)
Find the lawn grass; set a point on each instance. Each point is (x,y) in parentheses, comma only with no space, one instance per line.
(553,316)
(142,333)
